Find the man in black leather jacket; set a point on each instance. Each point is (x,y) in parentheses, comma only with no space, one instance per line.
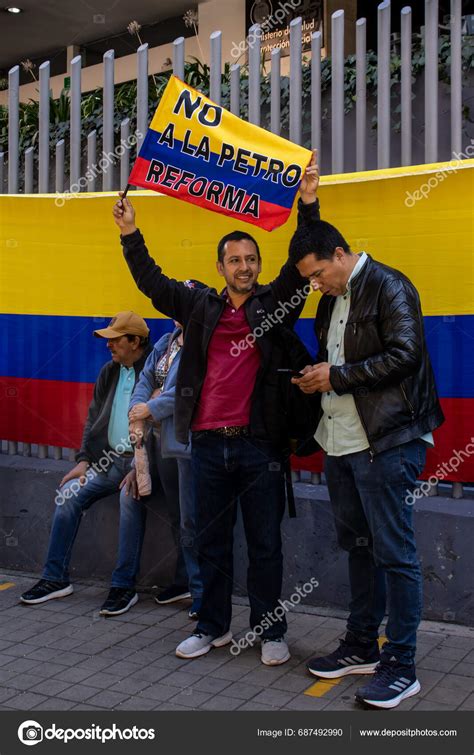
(378,407)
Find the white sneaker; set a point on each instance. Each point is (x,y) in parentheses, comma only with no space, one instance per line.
(275,652)
(200,644)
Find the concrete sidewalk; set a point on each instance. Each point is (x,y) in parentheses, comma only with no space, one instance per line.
(62,655)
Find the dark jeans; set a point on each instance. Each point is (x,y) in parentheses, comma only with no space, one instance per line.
(375,525)
(226,470)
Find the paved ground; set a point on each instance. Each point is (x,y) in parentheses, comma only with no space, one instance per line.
(64,656)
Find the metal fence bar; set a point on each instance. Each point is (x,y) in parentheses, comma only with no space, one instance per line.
(59,177)
(91,160)
(383,85)
(57,453)
(296,80)
(235,89)
(316,92)
(315,478)
(458,490)
(142,94)
(337,91)
(361,93)
(42,451)
(178,57)
(125,152)
(43,139)
(29,160)
(12,447)
(456,78)
(216,67)
(2,163)
(13,128)
(275,92)
(254,74)
(26,449)
(431,81)
(75,141)
(108,122)
(405,94)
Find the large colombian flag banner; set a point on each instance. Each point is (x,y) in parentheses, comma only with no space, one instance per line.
(197,151)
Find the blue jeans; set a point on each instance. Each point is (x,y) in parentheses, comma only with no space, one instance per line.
(67,518)
(188,539)
(226,470)
(375,525)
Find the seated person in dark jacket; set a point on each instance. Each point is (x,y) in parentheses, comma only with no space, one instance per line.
(225,394)
(104,460)
(379,405)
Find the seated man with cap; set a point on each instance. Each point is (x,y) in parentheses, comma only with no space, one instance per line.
(104,460)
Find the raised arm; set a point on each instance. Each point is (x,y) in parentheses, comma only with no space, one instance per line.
(169,296)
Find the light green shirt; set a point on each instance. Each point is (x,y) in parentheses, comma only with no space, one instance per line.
(340,430)
(118,422)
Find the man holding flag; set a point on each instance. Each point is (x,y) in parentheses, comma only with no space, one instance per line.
(229,403)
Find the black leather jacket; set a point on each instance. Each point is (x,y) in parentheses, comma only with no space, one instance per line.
(388,368)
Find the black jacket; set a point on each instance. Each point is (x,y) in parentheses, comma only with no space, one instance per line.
(199,311)
(95,440)
(388,368)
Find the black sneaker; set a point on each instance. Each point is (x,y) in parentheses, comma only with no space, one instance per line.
(46,590)
(172,595)
(392,683)
(349,658)
(119,600)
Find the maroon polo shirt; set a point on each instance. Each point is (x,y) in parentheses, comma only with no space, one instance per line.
(230,376)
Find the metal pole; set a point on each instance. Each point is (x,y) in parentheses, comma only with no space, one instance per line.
(296,77)
(316,92)
(337,91)
(275,92)
(383,85)
(406,106)
(178,57)
(456,79)
(125,150)
(75,142)
(59,167)
(216,67)
(29,155)
(2,163)
(254,74)
(108,132)
(235,89)
(431,81)
(13,128)
(361,93)
(91,160)
(43,145)
(142,96)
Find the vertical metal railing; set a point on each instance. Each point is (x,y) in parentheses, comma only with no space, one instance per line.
(431,81)
(456,78)
(254,74)
(296,81)
(405,85)
(275,92)
(337,91)
(108,122)
(13,128)
(75,136)
(216,67)
(316,92)
(43,146)
(361,93)
(383,85)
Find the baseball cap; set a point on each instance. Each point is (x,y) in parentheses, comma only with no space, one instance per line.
(124,323)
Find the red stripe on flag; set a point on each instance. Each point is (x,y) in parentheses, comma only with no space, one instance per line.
(270,215)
